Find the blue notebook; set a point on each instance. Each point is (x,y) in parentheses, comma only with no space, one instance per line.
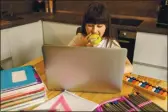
(17,77)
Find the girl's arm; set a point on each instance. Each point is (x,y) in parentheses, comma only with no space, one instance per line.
(79,40)
(128,65)
(73,42)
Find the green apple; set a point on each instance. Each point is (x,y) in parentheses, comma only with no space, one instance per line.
(95,39)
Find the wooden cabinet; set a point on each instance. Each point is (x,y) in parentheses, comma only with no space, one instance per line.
(58,33)
(6,58)
(25,42)
(151,48)
(150,71)
(5,48)
(150,55)
(126,40)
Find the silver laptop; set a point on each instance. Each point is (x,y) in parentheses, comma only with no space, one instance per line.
(84,69)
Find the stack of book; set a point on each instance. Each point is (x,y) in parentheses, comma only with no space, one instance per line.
(21,88)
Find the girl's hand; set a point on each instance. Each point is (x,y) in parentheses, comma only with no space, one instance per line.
(83,41)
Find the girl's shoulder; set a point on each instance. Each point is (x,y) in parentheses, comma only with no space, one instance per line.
(111,43)
(116,43)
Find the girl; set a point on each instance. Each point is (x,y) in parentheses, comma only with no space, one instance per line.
(97,20)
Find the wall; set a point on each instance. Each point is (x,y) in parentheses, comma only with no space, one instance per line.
(16,6)
(143,8)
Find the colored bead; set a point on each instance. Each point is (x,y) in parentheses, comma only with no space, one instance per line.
(125,78)
(157,87)
(128,79)
(140,84)
(134,81)
(164,94)
(161,92)
(137,82)
(157,90)
(153,89)
(146,86)
(150,88)
(145,83)
(164,89)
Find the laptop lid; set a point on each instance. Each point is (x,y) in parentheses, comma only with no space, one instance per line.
(85,69)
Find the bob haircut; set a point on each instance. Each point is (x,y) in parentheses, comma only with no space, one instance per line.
(97,14)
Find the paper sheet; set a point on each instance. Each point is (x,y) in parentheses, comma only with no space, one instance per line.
(60,104)
(74,102)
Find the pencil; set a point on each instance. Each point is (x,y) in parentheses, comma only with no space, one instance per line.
(104,108)
(119,105)
(152,102)
(126,105)
(111,108)
(153,107)
(135,102)
(146,107)
(122,106)
(116,107)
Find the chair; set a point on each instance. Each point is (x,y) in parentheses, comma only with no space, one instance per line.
(78,30)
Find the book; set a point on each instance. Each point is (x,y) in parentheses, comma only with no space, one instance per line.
(9,104)
(17,77)
(38,81)
(22,97)
(22,92)
(67,101)
(25,105)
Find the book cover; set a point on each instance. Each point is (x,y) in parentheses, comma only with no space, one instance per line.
(17,77)
(38,81)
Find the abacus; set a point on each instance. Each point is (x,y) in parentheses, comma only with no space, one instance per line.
(145,86)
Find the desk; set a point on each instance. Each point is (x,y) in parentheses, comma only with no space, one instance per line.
(99,97)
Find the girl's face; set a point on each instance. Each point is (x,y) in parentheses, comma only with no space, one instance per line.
(95,29)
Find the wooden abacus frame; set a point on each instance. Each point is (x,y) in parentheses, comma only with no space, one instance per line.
(144,89)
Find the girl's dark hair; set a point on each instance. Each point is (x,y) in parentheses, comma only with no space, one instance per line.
(97,14)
